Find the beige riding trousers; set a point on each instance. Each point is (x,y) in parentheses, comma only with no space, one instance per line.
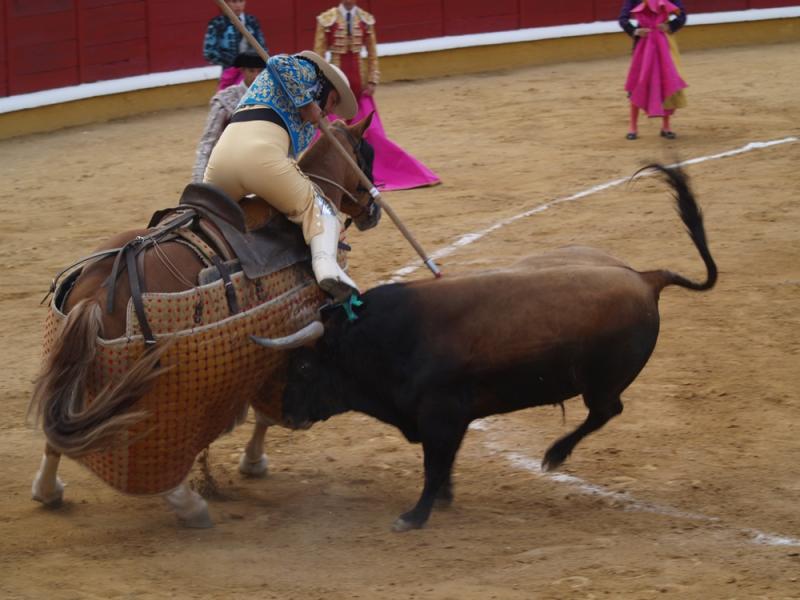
(252,157)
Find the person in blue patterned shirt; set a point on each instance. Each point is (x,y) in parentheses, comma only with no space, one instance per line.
(223,42)
(274,122)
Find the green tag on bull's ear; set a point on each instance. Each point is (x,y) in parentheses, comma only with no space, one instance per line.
(352,302)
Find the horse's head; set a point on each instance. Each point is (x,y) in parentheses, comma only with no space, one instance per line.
(338,180)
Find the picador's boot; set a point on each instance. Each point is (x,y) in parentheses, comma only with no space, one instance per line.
(329,274)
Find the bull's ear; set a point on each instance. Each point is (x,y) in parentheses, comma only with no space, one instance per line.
(359,128)
(306,335)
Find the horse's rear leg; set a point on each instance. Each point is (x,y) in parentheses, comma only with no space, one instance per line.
(602,408)
(253,462)
(189,507)
(47,487)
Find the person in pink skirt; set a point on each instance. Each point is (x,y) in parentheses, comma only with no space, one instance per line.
(654,83)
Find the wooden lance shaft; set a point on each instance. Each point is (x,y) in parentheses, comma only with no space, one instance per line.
(325,127)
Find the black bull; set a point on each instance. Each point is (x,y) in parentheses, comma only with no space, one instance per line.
(431,356)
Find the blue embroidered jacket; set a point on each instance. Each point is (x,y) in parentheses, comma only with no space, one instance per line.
(221,44)
(285,85)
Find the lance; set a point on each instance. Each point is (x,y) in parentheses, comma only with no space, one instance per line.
(325,127)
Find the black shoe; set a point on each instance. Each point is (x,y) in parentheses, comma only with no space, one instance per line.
(670,135)
(631,136)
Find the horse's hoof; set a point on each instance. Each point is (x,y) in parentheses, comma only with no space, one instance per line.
(257,468)
(50,498)
(202,520)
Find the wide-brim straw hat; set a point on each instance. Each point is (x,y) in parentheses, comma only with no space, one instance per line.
(347,106)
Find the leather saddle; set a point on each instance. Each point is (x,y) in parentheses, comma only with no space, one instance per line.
(273,244)
(216,228)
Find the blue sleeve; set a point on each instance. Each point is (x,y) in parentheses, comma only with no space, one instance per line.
(625,17)
(680,20)
(211,43)
(296,77)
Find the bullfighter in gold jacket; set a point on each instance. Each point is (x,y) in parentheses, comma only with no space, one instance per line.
(343,31)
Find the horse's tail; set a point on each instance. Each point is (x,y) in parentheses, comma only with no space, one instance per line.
(692,217)
(59,396)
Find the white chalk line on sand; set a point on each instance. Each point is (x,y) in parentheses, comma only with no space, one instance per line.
(619,499)
(471,238)
(525,463)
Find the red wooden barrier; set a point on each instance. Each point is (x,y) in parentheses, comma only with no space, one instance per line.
(42,45)
(771,3)
(544,13)
(408,20)
(175,33)
(54,43)
(3,51)
(701,6)
(607,10)
(477,16)
(113,39)
(277,18)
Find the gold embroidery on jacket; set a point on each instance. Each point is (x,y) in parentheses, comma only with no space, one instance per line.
(331,25)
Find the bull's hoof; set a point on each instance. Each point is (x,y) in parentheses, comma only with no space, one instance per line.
(551,463)
(256,468)
(50,498)
(406,523)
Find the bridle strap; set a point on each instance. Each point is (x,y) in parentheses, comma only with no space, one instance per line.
(334,184)
(355,144)
(100,254)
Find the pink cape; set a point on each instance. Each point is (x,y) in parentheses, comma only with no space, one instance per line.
(653,76)
(230,76)
(394,168)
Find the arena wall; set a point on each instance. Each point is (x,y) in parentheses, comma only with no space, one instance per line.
(69,62)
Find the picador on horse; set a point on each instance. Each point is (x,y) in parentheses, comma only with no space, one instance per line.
(149,345)
(148,356)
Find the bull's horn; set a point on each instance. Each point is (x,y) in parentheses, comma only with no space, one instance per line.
(309,333)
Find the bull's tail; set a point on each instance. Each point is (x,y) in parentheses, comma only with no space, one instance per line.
(59,398)
(692,217)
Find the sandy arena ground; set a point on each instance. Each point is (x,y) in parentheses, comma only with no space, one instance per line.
(692,492)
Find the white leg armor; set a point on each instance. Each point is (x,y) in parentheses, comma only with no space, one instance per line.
(189,506)
(324,247)
(47,487)
(253,462)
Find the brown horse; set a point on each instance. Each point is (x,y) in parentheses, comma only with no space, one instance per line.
(77,427)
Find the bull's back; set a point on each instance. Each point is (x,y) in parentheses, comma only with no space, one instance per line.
(501,320)
(568,257)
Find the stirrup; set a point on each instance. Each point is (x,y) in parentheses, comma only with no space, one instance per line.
(337,289)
